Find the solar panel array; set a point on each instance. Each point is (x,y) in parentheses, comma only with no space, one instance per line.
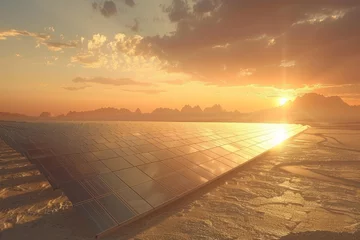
(115,172)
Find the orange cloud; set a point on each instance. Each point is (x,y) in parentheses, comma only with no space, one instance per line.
(58,46)
(15,33)
(76,88)
(146,91)
(110,81)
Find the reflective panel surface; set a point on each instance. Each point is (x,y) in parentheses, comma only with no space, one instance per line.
(115,172)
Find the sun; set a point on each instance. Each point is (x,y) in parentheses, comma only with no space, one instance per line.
(282,101)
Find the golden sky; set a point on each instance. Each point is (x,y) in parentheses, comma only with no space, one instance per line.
(67,55)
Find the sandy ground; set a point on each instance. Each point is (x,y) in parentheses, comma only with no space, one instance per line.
(308,188)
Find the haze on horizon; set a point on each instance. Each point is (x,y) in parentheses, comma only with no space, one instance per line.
(62,56)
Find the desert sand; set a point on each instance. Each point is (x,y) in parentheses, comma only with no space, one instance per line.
(307,188)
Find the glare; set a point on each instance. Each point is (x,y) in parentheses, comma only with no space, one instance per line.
(282,101)
(280,135)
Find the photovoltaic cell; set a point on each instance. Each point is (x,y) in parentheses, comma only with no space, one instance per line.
(117,208)
(99,219)
(115,172)
(134,200)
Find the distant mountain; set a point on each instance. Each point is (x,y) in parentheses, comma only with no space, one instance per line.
(187,109)
(310,107)
(165,111)
(13,116)
(45,115)
(162,114)
(320,108)
(138,111)
(316,101)
(100,114)
(214,109)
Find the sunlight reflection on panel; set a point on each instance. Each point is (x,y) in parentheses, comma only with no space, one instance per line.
(280,135)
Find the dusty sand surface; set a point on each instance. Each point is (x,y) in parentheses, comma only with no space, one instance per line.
(308,188)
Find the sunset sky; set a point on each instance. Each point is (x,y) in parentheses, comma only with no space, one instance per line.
(247,55)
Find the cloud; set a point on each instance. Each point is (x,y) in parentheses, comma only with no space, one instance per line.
(130,3)
(90,60)
(288,45)
(243,73)
(107,9)
(340,90)
(274,96)
(178,10)
(76,88)
(135,26)
(97,41)
(58,46)
(176,82)
(16,33)
(146,91)
(204,6)
(41,38)
(94,5)
(50,29)
(159,19)
(110,81)
(285,63)
(118,52)
(125,44)
(50,60)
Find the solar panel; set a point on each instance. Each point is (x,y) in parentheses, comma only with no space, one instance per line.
(116,172)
